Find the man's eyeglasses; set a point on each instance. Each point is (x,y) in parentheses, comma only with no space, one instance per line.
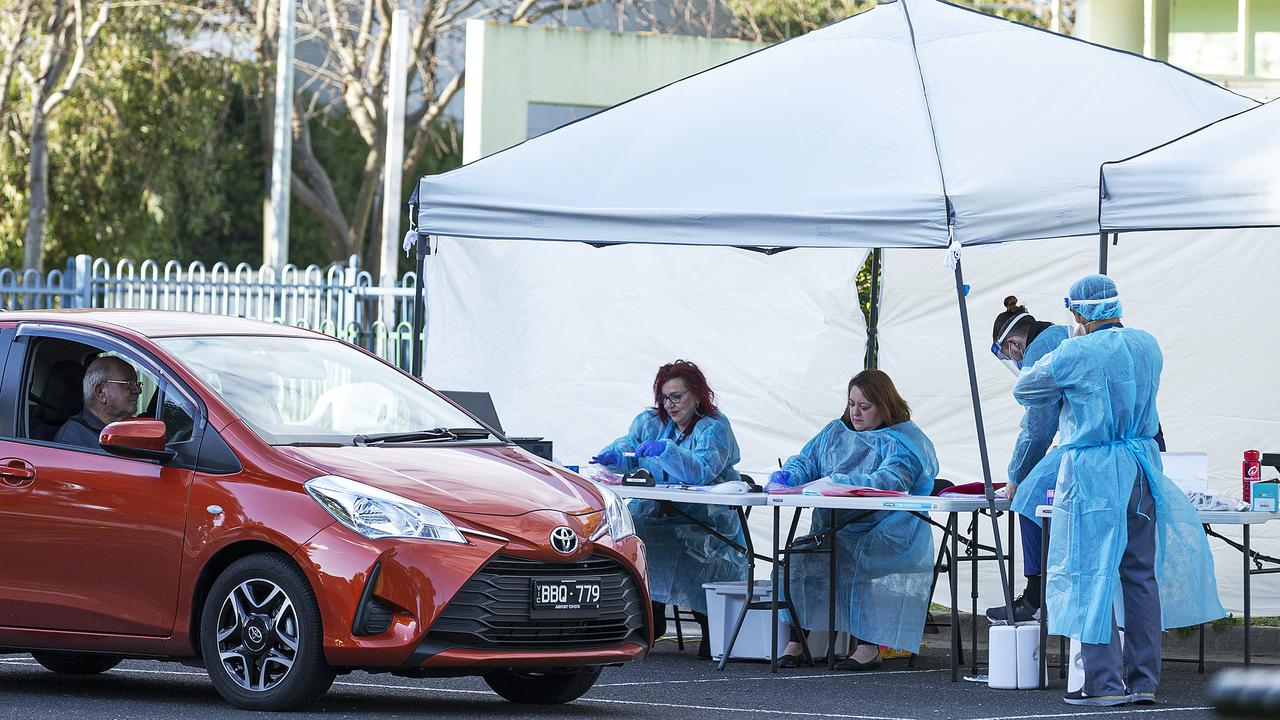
(132,384)
(672,399)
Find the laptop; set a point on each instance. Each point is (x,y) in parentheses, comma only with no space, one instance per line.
(480,404)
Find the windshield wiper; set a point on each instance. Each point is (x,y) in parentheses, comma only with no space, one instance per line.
(432,435)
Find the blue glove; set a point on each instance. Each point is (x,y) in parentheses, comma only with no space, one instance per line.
(608,458)
(780,477)
(651,448)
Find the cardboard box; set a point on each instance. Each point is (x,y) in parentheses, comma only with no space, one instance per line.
(1265,496)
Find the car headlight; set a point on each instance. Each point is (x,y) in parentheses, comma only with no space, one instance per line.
(617,518)
(377,513)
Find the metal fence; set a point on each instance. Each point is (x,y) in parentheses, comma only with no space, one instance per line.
(341,300)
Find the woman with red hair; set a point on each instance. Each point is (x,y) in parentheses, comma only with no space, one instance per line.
(682,439)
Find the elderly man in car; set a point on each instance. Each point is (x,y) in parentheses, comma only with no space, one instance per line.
(111,391)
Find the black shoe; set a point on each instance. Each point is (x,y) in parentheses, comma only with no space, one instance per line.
(704,648)
(1023,611)
(1079,698)
(790,661)
(852,665)
(704,645)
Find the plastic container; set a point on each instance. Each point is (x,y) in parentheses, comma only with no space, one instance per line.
(1250,472)
(724,603)
(1015,657)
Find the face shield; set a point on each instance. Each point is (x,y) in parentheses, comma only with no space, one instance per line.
(1014,366)
(1090,310)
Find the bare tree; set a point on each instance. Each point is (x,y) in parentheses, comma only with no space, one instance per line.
(62,34)
(343,57)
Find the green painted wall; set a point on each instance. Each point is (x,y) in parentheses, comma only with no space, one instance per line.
(510,66)
(1203,36)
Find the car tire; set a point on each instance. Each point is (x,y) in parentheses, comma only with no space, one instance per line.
(69,663)
(549,688)
(261,636)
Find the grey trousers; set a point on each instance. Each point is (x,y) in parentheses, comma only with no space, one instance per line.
(1108,670)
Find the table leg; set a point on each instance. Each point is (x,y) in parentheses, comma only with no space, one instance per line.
(833,584)
(953,523)
(773,592)
(1200,663)
(1009,562)
(973,594)
(1247,574)
(751,586)
(1044,611)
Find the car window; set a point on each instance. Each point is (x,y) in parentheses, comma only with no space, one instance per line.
(291,389)
(55,392)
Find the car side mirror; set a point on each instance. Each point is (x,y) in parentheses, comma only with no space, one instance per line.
(137,438)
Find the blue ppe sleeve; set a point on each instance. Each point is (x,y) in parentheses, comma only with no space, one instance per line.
(701,462)
(636,434)
(804,468)
(1038,387)
(1039,426)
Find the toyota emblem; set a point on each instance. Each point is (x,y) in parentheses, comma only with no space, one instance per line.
(255,635)
(564,540)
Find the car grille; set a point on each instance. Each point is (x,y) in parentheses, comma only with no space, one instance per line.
(492,610)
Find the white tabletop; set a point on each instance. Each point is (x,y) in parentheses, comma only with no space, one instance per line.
(926,503)
(1208,517)
(693,497)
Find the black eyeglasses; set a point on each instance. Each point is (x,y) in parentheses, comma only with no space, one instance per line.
(673,399)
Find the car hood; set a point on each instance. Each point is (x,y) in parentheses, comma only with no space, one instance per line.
(472,480)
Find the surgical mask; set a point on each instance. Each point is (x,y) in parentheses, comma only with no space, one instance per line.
(1077,330)
(1013,366)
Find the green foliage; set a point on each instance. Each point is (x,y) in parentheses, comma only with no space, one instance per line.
(158,154)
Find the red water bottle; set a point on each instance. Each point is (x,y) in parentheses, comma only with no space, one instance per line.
(1250,472)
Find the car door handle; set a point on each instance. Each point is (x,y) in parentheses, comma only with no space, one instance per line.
(16,472)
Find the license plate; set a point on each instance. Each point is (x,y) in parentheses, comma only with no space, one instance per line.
(567,598)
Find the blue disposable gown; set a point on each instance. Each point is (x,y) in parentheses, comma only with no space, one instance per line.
(681,555)
(1107,382)
(886,558)
(1039,423)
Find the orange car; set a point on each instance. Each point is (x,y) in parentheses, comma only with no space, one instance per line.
(285,507)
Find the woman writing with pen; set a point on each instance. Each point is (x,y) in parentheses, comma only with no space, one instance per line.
(886,557)
(682,439)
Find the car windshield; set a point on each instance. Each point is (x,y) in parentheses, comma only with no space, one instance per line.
(294,390)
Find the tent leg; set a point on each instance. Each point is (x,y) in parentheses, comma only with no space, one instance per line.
(982,437)
(1102,253)
(419,340)
(872,359)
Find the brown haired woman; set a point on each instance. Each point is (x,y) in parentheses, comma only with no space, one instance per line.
(887,556)
(683,439)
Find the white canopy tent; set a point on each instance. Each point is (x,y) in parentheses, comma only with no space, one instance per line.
(916,124)
(1225,175)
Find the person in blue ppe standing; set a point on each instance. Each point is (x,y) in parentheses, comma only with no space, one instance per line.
(1127,547)
(683,439)
(886,558)
(1019,341)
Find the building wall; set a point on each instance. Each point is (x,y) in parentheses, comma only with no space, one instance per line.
(523,80)
(1203,36)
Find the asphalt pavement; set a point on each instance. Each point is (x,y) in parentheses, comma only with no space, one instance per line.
(669,684)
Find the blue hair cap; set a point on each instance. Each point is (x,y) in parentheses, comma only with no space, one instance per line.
(1086,293)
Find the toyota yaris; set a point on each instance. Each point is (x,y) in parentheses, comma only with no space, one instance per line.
(282,507)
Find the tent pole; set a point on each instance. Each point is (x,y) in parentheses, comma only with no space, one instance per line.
(982,438)
(872,359)
(1102,253)
(423,247)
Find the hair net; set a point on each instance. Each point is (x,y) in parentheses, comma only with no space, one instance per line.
(1094,288)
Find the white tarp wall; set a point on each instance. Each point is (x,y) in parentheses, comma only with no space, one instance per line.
(1209,297)
(568,337)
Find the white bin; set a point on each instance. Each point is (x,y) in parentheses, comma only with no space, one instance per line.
(724,603)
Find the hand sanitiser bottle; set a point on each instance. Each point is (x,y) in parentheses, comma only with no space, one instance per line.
(1250,472)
